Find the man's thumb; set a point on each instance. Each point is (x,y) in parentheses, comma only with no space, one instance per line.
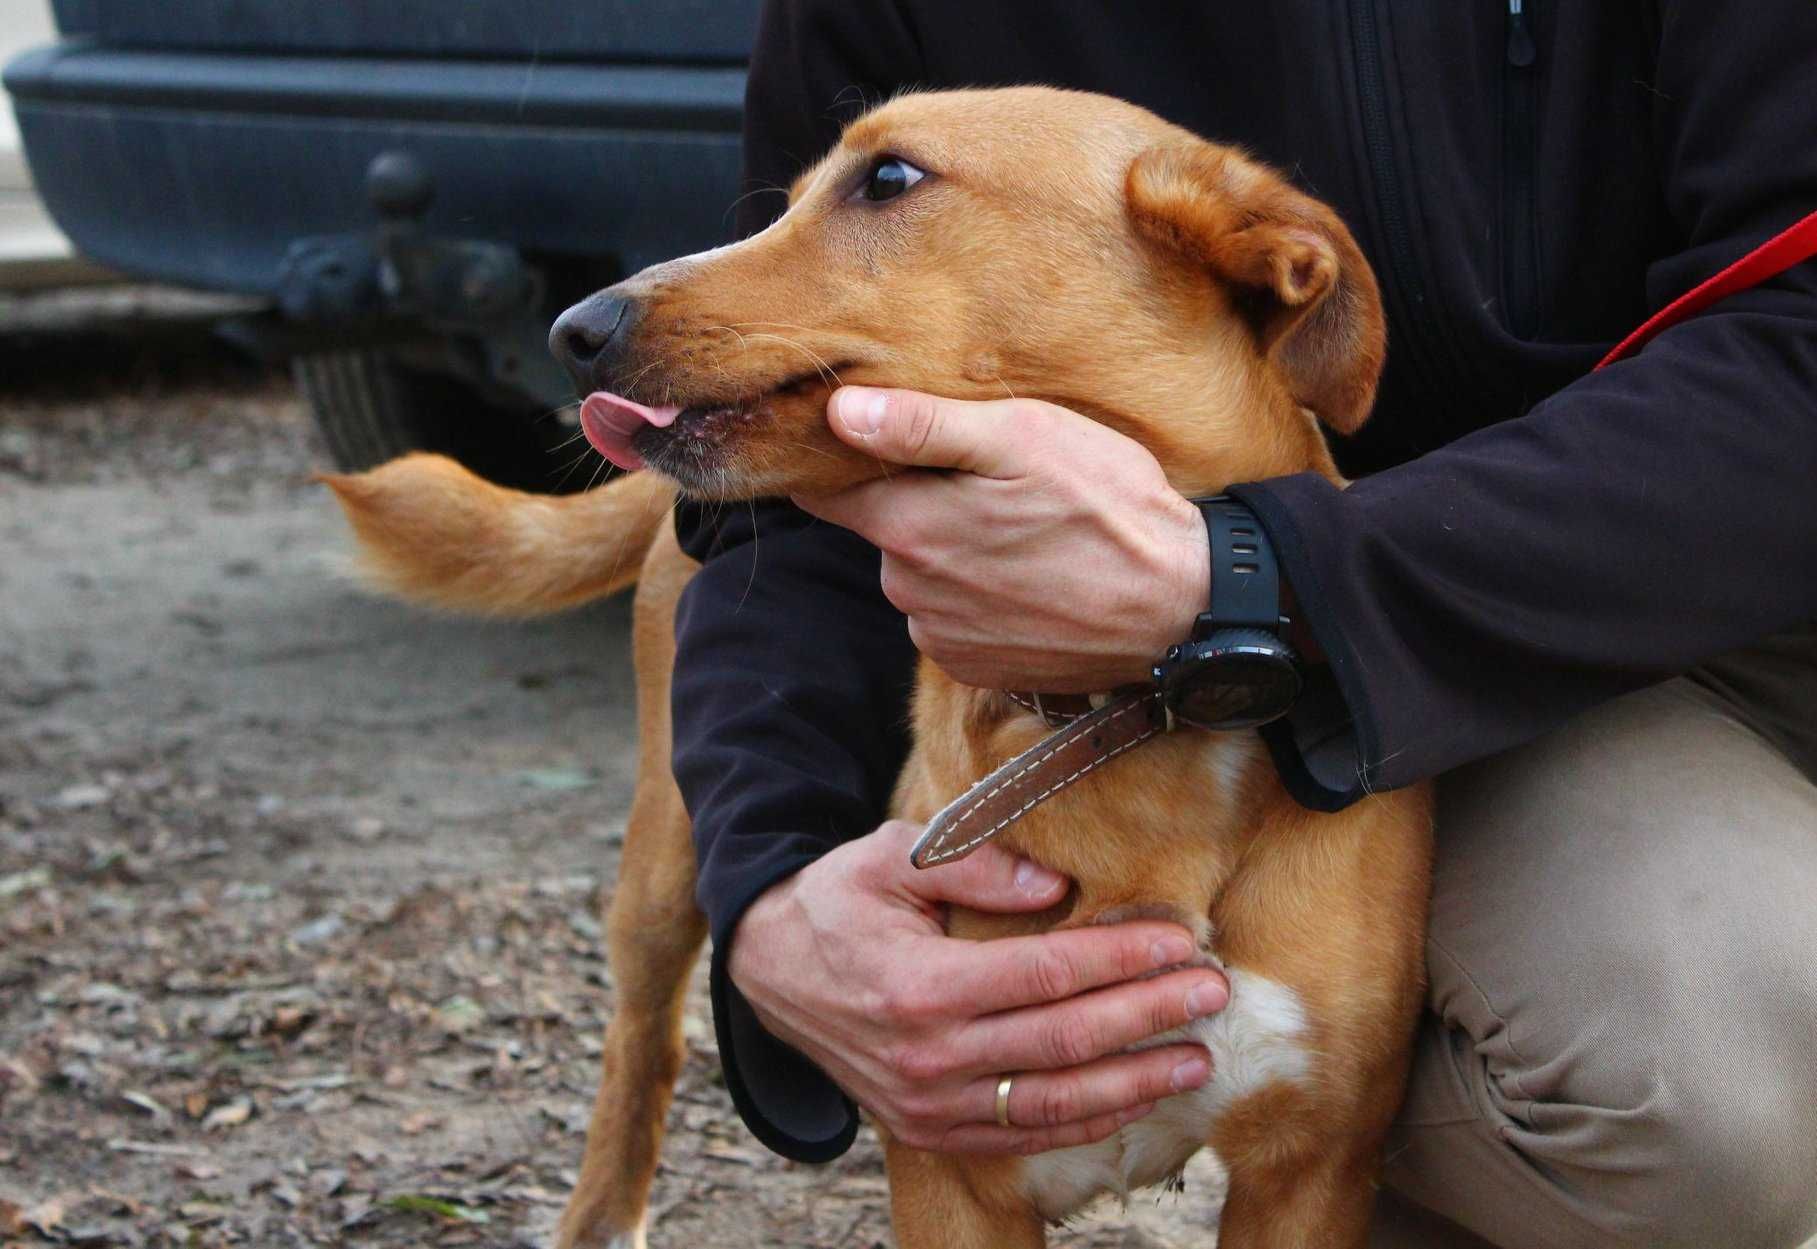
(991,439)
(989,879)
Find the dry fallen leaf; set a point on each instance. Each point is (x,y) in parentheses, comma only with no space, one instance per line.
(121,1145)
(230,1115)
(146,1102)
(202,1212)
(16,1079)
(460,1014)
(288,1019)
(44,1217)
(418,1123)
(20,882)
(121,1202)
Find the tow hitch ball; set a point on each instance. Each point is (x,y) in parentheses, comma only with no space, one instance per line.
(398,270)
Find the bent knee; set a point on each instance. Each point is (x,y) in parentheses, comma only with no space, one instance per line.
(1680,1136)
(1655,1099)
(1620,940)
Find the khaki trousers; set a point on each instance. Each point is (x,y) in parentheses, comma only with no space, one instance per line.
(1622,1042)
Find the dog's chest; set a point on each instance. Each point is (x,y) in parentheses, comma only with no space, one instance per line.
(1256,1041)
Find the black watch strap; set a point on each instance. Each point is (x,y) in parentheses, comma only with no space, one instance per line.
(1245,577)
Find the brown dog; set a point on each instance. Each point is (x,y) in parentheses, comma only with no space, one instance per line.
(1081,250)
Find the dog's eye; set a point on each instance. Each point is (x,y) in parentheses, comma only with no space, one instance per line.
(889,177)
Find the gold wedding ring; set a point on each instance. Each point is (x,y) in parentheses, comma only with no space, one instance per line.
(1003,1100)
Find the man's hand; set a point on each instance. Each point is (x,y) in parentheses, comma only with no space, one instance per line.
(847,962)
(1058,558)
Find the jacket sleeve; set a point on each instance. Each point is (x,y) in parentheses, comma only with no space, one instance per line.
(1634,524)
(792,671)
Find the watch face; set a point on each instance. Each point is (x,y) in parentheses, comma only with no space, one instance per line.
(1234,686)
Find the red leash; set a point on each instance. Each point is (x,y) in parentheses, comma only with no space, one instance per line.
(1770,259)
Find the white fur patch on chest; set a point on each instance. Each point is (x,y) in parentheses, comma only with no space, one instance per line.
(1256,1041)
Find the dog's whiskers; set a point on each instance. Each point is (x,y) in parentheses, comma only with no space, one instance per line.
(630,383)
(755,551)
(826,370)
(755,191)
(604,469)
(742,343)
(624,537)
(573,464)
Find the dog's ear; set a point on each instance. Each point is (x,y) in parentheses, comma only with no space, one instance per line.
(1295,273)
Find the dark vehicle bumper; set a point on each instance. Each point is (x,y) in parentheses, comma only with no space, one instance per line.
(670,31)
(203,168)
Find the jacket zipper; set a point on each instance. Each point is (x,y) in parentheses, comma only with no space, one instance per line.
(1424,342)
(1520,244)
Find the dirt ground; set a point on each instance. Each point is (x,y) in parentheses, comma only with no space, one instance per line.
(298,935)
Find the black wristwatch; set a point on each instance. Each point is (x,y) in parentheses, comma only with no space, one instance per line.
(1236,671)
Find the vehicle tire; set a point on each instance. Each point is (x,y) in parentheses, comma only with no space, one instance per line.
(371,408)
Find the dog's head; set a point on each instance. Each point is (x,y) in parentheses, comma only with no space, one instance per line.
(982,244)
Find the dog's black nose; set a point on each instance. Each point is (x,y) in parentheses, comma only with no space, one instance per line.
(590,338)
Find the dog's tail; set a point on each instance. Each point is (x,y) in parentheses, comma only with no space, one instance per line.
(433,533)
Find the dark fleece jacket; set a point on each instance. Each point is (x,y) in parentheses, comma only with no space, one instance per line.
(1526,539)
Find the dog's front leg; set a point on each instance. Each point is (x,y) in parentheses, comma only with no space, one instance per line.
(653,936)
(949,1201)
(1317,1203)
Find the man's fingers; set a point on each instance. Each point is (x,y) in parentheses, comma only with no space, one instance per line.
(991,1139)
(879,511)
(1036,971)
(991,439)
(1051,1099)
(1076,1031)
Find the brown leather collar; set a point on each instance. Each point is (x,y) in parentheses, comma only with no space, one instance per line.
(1059,710)
(1087,741)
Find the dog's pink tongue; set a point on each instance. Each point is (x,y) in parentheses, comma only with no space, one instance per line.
(609,423)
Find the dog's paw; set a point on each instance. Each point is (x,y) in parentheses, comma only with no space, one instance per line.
(1199,925)
(600,1238)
